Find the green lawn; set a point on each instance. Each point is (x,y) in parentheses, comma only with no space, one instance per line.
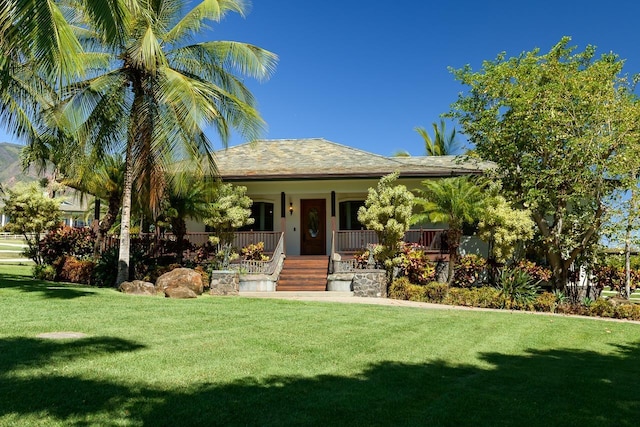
(240,361)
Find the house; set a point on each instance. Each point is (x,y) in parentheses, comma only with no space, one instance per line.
(310,189)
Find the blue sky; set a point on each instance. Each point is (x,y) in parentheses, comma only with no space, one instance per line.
(365,73)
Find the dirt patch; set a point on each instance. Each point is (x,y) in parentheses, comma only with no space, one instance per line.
(62,335)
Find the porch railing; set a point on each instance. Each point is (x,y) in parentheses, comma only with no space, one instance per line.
(263,267)
(240,240)
(345,243)
(349,241)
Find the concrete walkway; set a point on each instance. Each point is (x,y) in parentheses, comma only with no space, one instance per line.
(348,298)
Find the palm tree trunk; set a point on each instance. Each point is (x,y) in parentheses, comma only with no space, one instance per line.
(125,222)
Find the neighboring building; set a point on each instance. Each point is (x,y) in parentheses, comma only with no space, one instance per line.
(310,188)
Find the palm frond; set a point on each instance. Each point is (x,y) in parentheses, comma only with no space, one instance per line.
(193,21)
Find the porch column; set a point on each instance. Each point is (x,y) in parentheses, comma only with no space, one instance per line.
(283,216)
(333,211)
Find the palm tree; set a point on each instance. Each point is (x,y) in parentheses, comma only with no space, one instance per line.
(188,196)
(441,144)
(104,180)
(39,49)
(456,201)
(157,93)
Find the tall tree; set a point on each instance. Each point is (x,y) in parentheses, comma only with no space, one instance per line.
(159,91)
(455,201)
(442,144)
(556,125)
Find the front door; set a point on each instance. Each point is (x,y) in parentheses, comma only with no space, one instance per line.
(313,226)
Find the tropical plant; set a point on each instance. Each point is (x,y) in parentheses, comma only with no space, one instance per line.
(151,93)
(469,271)
(517,289)
(187,196)
(455,201)
(441,144)
(387,211)
(414,264)
(104,179)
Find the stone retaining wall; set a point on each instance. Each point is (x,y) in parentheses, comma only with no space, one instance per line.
(370,283)
(224,283)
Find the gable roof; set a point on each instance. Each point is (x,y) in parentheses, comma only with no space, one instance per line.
(317,158)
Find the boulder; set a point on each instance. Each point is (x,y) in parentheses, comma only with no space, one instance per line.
(137,287)
(180,292)
(181,278)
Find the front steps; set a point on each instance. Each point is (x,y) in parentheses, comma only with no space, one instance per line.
(304,273)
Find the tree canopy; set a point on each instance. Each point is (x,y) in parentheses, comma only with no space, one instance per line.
(561,128)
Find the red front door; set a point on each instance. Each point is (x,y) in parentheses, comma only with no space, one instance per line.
(313,225)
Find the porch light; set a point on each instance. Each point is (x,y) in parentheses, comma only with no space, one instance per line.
(290,208)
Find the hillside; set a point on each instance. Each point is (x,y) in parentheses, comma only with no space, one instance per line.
(10,166)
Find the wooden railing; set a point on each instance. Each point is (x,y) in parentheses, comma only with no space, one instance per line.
(357,240)
(263,267)
(345,243)
(240,240)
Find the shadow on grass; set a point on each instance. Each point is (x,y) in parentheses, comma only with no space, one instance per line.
(47,289)
(541,388)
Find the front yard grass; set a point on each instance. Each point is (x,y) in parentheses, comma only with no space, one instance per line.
(242,361)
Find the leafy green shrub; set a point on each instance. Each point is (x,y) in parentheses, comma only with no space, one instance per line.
(602,307)
(75,271)
(398,288)
(414,263)
(66,241)
(436,292)
(546,302)
(417,293)
(44,272)
(484,297)
(254,252)
(469,271)
(517,289)
(627,311)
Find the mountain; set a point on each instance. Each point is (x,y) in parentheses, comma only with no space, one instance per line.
(11,167)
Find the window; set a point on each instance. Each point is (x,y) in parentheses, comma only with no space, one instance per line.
(262,213)
(349,215)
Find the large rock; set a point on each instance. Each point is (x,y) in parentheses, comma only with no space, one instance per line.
(180,292)
(137,287)
(181,278)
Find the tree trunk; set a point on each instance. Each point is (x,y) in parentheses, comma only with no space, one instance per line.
(125,221)
(179,230)
(453,241)
(106,223)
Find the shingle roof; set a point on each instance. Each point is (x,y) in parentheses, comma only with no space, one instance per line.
(318,158)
